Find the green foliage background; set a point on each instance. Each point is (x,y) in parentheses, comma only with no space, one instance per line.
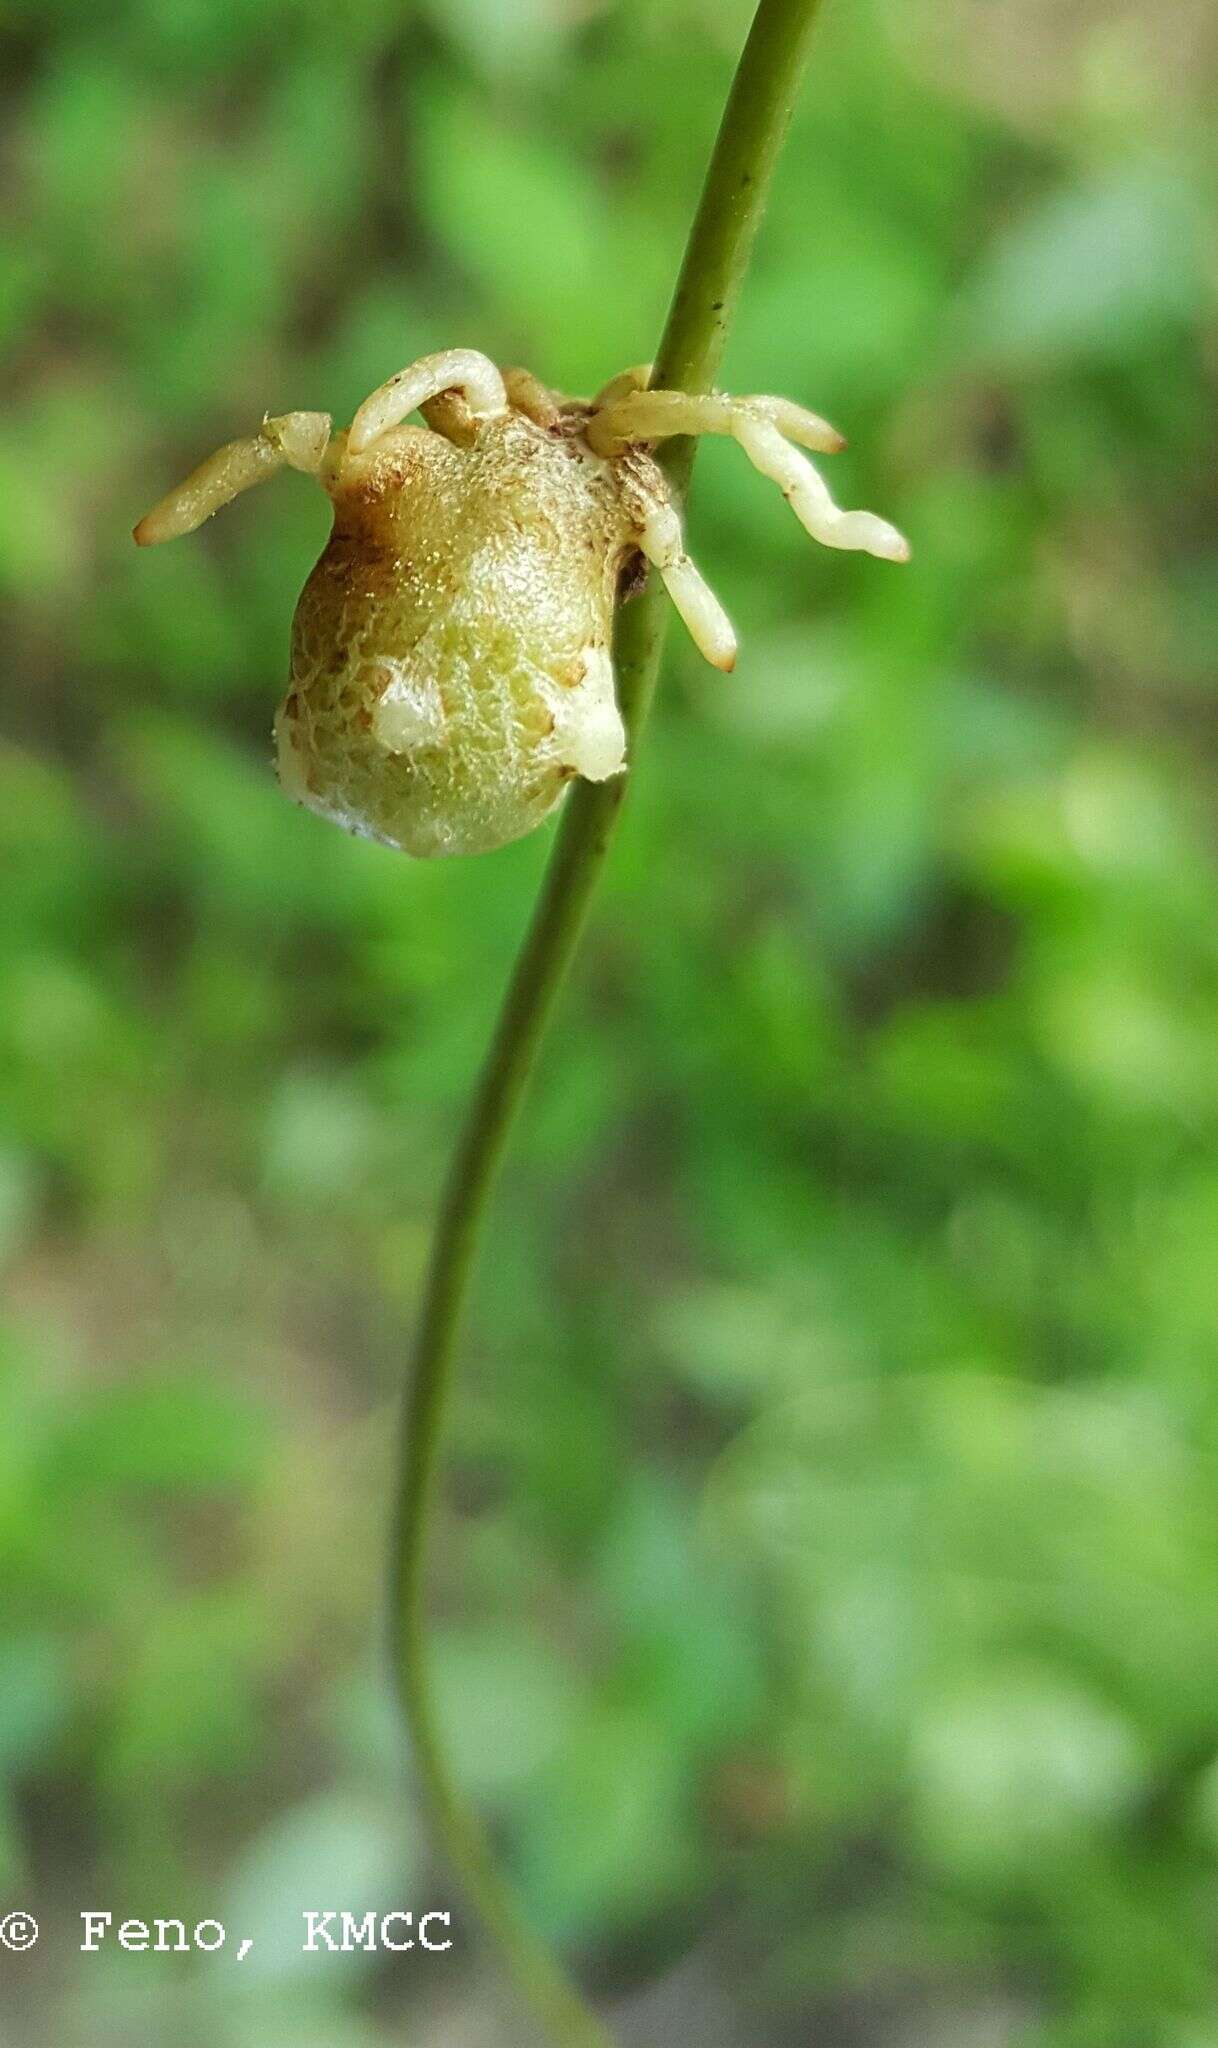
(827,1606)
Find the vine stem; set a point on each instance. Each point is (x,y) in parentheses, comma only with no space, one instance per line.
(716,257)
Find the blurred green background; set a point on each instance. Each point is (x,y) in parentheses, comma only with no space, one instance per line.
(827,1595)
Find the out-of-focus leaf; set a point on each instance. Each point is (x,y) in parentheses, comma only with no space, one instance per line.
(340,1852)
(1089,272)
(507,1708)
(167,1433)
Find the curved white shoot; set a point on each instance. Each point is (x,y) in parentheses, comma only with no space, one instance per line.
(807,493)
(453,369)
(295,440)
(663,543)
(627,415)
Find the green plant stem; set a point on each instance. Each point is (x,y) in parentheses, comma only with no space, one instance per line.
(716,258)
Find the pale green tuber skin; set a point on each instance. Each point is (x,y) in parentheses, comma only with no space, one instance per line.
(451,667)
(450,653)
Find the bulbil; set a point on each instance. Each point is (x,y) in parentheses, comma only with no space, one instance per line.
(451,665)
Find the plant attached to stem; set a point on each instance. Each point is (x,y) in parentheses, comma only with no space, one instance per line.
(716,258)
(451,676)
